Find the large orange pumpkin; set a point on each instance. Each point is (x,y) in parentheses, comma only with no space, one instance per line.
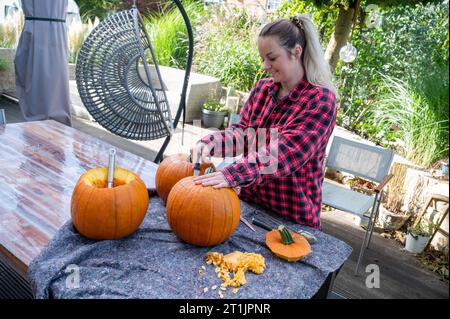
(202,216)
(100,213)
(172,169)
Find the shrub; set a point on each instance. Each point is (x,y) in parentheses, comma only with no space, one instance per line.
(417,114)
(10,29)
(89,9)
(226,47)
(404,48)
(213,105)
(168,33)
(76,34)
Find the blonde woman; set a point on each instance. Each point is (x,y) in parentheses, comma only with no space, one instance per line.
(298,100)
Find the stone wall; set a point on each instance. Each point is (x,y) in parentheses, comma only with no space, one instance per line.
(7,77)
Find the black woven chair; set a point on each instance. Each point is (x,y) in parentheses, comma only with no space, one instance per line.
(119,81)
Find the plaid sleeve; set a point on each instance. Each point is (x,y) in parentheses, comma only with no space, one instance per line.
(297,141)
(231,141)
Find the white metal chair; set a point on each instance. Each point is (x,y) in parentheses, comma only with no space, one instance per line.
(362,160)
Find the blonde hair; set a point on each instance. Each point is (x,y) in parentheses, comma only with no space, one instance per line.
(301,30)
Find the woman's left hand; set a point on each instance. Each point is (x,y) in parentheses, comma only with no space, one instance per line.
(216,180)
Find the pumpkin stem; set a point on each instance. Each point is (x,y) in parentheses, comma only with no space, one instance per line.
(286,237)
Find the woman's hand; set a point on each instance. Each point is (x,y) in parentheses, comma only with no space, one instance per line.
(200,153)
(216,180)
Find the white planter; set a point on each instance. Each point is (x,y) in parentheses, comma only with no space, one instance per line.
(416,244)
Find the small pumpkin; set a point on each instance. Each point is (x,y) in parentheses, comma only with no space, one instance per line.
(202,216)
(172,169)
(99,212)
(287,245)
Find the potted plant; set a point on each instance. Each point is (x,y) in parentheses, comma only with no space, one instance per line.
(392,214)
(213,114)
(418,236)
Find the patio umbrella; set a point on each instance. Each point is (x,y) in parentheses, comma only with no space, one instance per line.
(42,80)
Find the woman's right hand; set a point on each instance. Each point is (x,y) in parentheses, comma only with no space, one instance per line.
(201,153)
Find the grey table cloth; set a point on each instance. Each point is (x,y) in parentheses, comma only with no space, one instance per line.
(41,62)
(154,263)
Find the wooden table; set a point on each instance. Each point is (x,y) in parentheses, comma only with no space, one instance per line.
(40,162)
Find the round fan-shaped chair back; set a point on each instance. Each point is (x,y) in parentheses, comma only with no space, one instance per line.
(119,81)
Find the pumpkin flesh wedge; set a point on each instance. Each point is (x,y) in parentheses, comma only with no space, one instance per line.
(292,252)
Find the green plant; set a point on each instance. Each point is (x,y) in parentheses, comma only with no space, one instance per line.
(417,114)
(226,46)
(168,33)
(215,106)
(423,228)
(89,9)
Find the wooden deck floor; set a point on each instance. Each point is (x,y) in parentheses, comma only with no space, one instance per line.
(401,275)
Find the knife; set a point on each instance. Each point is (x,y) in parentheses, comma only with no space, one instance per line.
(246,223)
(263,224)
(196,169)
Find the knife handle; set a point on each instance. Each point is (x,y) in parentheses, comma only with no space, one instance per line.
(196,169)
(261,224)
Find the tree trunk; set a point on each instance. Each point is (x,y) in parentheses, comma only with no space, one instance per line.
(339,37)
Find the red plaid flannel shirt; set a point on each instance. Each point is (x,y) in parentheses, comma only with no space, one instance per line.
(304,120)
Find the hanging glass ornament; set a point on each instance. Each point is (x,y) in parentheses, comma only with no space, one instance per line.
(348,53)
(373,17)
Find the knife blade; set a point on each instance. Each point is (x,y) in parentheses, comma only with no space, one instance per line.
(246,223)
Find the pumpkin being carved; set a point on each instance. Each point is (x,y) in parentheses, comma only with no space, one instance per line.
(172,169)
(202,216)
(101,213)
